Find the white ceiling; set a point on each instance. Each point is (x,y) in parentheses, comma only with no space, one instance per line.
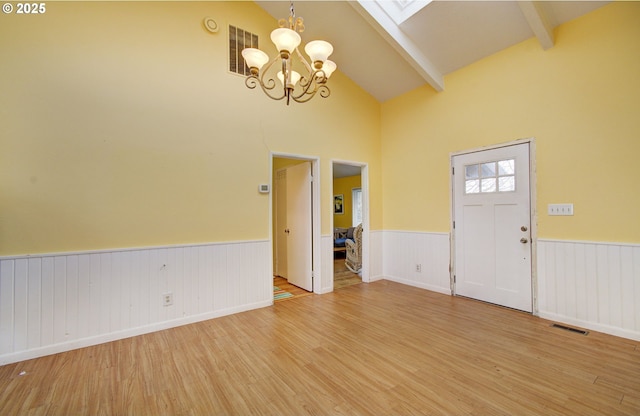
(389,47)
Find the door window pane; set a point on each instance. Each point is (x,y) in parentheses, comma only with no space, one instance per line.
(488,185)
(472,186)
(506,167)
(496,176)
(488,169)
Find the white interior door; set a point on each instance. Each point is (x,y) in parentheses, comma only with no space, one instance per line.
(299,226)
(491,194)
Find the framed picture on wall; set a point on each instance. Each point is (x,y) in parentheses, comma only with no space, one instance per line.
(338,204)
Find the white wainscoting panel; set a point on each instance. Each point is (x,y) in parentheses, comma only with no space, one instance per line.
(58,302)
(326,285)
(376,256)
(403,250)
(591,285)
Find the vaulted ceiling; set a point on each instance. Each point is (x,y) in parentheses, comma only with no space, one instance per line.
(389,47)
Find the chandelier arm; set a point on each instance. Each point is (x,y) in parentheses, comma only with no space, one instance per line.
(271,83)
(268,91)
(253,81)
(304,61)
(322,90)
(308,91)
(303,98)
(269,64)
(268,85)
(317,79)
(305,84)
(321,77)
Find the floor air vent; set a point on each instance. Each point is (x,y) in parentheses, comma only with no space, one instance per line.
(568,328)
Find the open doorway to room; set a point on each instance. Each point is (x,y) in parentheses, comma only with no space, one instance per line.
(293,227)
(348,224)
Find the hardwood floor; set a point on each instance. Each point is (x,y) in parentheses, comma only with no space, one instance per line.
(295,291)
(380,348)
(342,276)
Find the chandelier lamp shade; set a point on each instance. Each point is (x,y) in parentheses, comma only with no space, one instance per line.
(292,84)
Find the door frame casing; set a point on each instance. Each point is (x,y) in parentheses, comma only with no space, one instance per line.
(315,214)
(364,185)
(533,212)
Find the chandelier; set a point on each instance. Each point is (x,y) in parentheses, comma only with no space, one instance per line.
(296,87)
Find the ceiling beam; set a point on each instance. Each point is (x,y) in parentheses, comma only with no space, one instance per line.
(538,21)
(391,32)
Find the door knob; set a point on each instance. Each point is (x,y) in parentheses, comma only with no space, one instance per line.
(523,228)
(524,240)
(286,231)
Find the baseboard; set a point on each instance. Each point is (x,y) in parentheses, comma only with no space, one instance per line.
(606,329)
(438,289)
(376,278)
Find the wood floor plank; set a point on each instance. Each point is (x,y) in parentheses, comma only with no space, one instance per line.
(366,349)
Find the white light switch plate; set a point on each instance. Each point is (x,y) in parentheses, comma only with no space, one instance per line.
(560,209)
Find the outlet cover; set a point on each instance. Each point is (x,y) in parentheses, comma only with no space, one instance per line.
(167,299)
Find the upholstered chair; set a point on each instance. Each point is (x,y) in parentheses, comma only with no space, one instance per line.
(354,251)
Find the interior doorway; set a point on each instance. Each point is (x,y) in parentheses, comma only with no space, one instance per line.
(293,226)
(350,223)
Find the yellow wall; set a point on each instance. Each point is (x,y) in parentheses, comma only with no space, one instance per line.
(120,126)
(579,99)
(344,186)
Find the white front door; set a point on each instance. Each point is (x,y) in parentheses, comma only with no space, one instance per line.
(299,226)
(492,214)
